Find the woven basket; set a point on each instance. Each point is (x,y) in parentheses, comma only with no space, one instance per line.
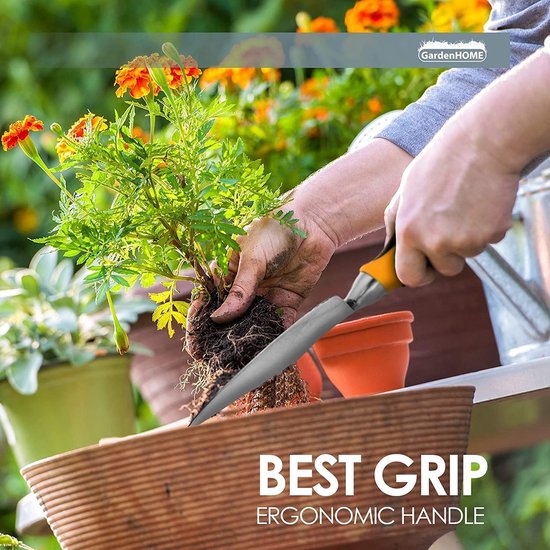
(199,487)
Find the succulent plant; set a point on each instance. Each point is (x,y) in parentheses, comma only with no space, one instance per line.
(49,315)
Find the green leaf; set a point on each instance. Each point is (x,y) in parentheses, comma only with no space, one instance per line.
(160,297)
(148,280)
(23,373)
(120,280)
(62,274)
(44,262)
(29,282)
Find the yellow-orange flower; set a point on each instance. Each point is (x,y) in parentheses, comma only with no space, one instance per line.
(372,15)
(319,113)
(79,128)
(468,15)
(141,134)
(270,75)
(319,24)
(375,105)
(25,220)
(19,131)
(134,77)
(312,88)
(64,148)
(262,109)
(228,78)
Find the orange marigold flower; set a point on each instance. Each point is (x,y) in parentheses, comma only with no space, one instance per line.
(312,88)
(64,148)
(372,15)
(319,24)
(262,109)
(141,134)
(375,105)
(174,73)
(79,128)
(467,15)
(321,114)
(228,78)
(26,220)
(19,131)
(242,77)
(134,77)
(270,75)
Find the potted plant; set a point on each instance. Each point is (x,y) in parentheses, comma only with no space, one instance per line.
(61,384)
(148,206)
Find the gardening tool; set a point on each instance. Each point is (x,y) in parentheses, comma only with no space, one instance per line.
(376,279)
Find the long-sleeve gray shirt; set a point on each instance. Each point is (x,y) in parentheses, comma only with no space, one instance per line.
(527,22)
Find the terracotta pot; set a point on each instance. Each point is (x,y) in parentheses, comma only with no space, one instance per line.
(368,355)
(311,374)
(188,488)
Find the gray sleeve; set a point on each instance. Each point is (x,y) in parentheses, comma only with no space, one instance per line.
(528,24)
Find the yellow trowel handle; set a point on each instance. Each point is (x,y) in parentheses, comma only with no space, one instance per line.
(382,268)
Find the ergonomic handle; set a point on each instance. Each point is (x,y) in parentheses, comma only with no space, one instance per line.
(382,268)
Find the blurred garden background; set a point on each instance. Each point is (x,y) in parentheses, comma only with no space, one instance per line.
(295,121)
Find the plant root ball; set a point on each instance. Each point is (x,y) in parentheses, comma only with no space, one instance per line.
(227,348)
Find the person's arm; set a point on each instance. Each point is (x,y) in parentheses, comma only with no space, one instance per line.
(457,195)
(527,23)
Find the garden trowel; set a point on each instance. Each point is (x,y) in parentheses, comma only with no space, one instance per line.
(376,278)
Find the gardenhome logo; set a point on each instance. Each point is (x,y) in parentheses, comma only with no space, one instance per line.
(436,50)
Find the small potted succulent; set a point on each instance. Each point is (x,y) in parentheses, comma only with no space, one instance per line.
(150,204)
(62,386)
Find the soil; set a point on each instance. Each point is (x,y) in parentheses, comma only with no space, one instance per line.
(227,348)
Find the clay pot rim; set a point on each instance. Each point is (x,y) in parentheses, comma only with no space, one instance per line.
(373,321)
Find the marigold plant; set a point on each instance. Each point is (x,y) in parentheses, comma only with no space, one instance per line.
(149,208)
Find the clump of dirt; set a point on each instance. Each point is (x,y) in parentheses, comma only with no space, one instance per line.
(227,348)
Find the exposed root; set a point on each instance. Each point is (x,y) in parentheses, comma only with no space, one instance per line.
(221,350)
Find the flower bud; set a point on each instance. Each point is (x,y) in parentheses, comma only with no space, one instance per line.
(56,129)
(303,20)
(121,339)
(170,51)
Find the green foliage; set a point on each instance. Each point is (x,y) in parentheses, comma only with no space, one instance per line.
(144,210)
(516,496)
(49,314)
(297,129)
(7,541)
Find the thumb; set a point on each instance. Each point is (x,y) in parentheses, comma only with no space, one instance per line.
(241,294)
(390,215)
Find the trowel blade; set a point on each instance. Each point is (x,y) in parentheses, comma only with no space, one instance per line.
(277,356)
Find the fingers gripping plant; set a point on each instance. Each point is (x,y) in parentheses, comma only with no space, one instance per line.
(149,208)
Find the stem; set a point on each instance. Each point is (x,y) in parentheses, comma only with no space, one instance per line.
(28,147)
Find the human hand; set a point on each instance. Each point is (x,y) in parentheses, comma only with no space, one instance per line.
(339,203)
(454,199)
(277,264)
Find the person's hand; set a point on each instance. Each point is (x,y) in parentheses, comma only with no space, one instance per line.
(338,203)
(454,199)
(275,263)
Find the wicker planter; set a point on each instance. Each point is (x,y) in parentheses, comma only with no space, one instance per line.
(183,488)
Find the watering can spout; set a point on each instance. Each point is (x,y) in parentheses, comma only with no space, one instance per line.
(519,296)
